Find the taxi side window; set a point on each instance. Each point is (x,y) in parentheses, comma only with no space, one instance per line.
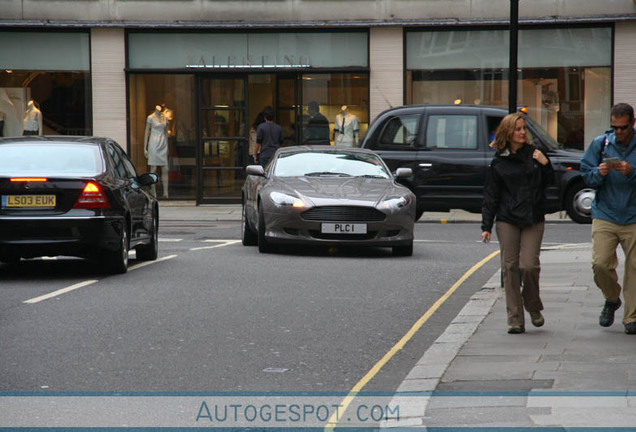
(492,124)
(452,132)
(399,132)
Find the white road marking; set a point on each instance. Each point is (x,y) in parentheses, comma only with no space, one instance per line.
(170,240)
(147,263)
(90,282)
(227,243)
(60,291)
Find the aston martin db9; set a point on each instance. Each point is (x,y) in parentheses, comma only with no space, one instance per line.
(327,196)
(74,196)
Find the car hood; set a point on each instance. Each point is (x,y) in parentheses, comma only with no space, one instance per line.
(355,190)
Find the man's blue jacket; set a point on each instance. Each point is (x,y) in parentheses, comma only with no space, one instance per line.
(615,199)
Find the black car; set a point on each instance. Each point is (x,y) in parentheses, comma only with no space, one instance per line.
(447,148)
(74,196)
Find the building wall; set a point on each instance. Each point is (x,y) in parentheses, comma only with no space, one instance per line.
(386,60)
(245,11)
(624,63)
(109,83)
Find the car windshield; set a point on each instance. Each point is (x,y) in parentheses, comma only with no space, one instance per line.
(330,164)
(49,159)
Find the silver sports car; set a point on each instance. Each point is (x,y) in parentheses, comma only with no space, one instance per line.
(327,196)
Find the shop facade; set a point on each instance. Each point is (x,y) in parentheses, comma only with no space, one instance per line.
(211,93)
(208,82)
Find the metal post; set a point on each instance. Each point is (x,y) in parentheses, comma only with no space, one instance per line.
(512,68)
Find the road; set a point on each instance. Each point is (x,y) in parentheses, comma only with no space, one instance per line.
(213,315)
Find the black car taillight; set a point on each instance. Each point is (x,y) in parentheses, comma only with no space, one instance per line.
(92,197)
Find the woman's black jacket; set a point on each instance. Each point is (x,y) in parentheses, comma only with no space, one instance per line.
(515,188)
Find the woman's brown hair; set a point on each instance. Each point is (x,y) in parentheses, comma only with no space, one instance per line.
(505,130)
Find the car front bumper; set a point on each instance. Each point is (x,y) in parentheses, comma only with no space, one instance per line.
(291,228)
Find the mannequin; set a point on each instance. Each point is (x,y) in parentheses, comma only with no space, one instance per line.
(156,146)
(347,128)
(32,122)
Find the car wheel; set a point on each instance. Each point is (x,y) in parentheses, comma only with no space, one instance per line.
(578,203)
(263,245)
(248,235)
(403,250)
(150,251)
(117,261)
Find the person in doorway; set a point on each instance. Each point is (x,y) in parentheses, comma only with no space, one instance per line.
(32,122)
(252,139)
(156,146)
(316,131)
(269,137)
(346,129)
(514,195)
(608,166)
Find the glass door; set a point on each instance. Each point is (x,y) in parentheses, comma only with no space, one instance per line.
(288,109)
(223,146)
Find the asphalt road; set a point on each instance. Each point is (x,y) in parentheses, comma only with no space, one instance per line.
(213,315)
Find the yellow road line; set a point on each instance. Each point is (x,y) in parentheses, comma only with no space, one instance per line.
(400,344)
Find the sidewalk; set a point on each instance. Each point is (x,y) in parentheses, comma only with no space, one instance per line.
(569,373)
(189,211)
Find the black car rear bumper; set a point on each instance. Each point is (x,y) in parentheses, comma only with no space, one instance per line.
(73,236)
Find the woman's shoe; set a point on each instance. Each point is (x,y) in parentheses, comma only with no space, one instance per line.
(516,329)
(537,319)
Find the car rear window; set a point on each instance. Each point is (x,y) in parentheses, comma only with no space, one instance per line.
(50,159)
(332,163)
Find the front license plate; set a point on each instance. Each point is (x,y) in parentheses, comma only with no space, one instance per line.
(343,228)
(28,201)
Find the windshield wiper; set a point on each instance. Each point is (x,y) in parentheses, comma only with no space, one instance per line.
(327,173)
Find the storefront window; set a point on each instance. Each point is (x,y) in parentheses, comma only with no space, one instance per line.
(162,134)
(335,108)
(45,84)
(564,75)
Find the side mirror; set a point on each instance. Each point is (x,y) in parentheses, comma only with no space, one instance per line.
(148,179)
(255,170)
(403,172)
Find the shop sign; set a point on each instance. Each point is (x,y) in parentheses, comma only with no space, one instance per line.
(257,62)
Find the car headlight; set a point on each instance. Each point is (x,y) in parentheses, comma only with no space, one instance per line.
(395,203)
(281,199)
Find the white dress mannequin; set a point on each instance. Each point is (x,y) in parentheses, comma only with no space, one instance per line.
(156,146)
(347,128)
(32,122)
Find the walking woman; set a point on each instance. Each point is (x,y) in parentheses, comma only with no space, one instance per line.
(514,195)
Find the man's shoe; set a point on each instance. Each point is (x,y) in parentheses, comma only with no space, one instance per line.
(630,328)
(607,314)
(516,329)
(537,319)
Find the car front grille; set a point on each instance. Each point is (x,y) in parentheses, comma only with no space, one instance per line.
(343,214)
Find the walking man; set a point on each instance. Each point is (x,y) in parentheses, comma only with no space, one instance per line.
(608,166)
